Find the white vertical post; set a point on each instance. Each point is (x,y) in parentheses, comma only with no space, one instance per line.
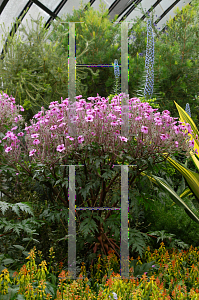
(124,250)
(124,80)
(72,223)
(72,80)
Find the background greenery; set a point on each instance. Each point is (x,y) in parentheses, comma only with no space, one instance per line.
(42,75)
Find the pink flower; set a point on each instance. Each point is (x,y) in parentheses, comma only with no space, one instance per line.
(9,134)
(166,112)
(122,138)
(89,118)
(114,123)
(8,149)
(144,129)
(177,130)
(34,135)
(36,142)
(53,135)
(14,128)
(53,127)
(60,148)
(62,124)
(163,137)
(80,139)
(32,152)
(14,137)
(191,143)
(60,120)
(20,134)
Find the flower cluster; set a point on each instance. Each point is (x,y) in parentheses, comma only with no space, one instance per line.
(9,112)
(117,75)
(101,124)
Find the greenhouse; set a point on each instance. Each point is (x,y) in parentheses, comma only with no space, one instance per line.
(99,118)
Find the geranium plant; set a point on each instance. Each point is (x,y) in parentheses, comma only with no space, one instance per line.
(98,146)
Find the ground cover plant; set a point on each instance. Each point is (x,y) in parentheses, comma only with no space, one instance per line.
(162,274)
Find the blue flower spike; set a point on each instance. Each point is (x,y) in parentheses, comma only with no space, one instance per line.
(187,109)
(149,61)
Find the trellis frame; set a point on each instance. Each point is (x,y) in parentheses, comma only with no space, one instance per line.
(124,250)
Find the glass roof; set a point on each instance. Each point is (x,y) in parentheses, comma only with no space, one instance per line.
(50,9)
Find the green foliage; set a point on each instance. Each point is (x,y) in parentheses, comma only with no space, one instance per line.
(138,240)
(97,25)
(165,215)
(176,56)
(139,270)
(162,235)
(42,75)
(15,207)
(111,97)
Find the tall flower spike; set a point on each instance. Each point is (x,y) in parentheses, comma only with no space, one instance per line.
(116,69)
(117,74)
(149,61)
(187,109)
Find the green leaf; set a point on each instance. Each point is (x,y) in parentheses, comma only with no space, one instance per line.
(25,253)
(15,208)
(4,206)
(88,225)
(20,297)
(181,188)
(165,186)
(19,247)
(139,270)
(25,206)
(161,235)
(8,261)
(137,239)
(12,291)
(15,229)
(36,241)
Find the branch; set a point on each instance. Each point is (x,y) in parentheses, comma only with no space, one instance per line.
(6,193)
(6,233)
